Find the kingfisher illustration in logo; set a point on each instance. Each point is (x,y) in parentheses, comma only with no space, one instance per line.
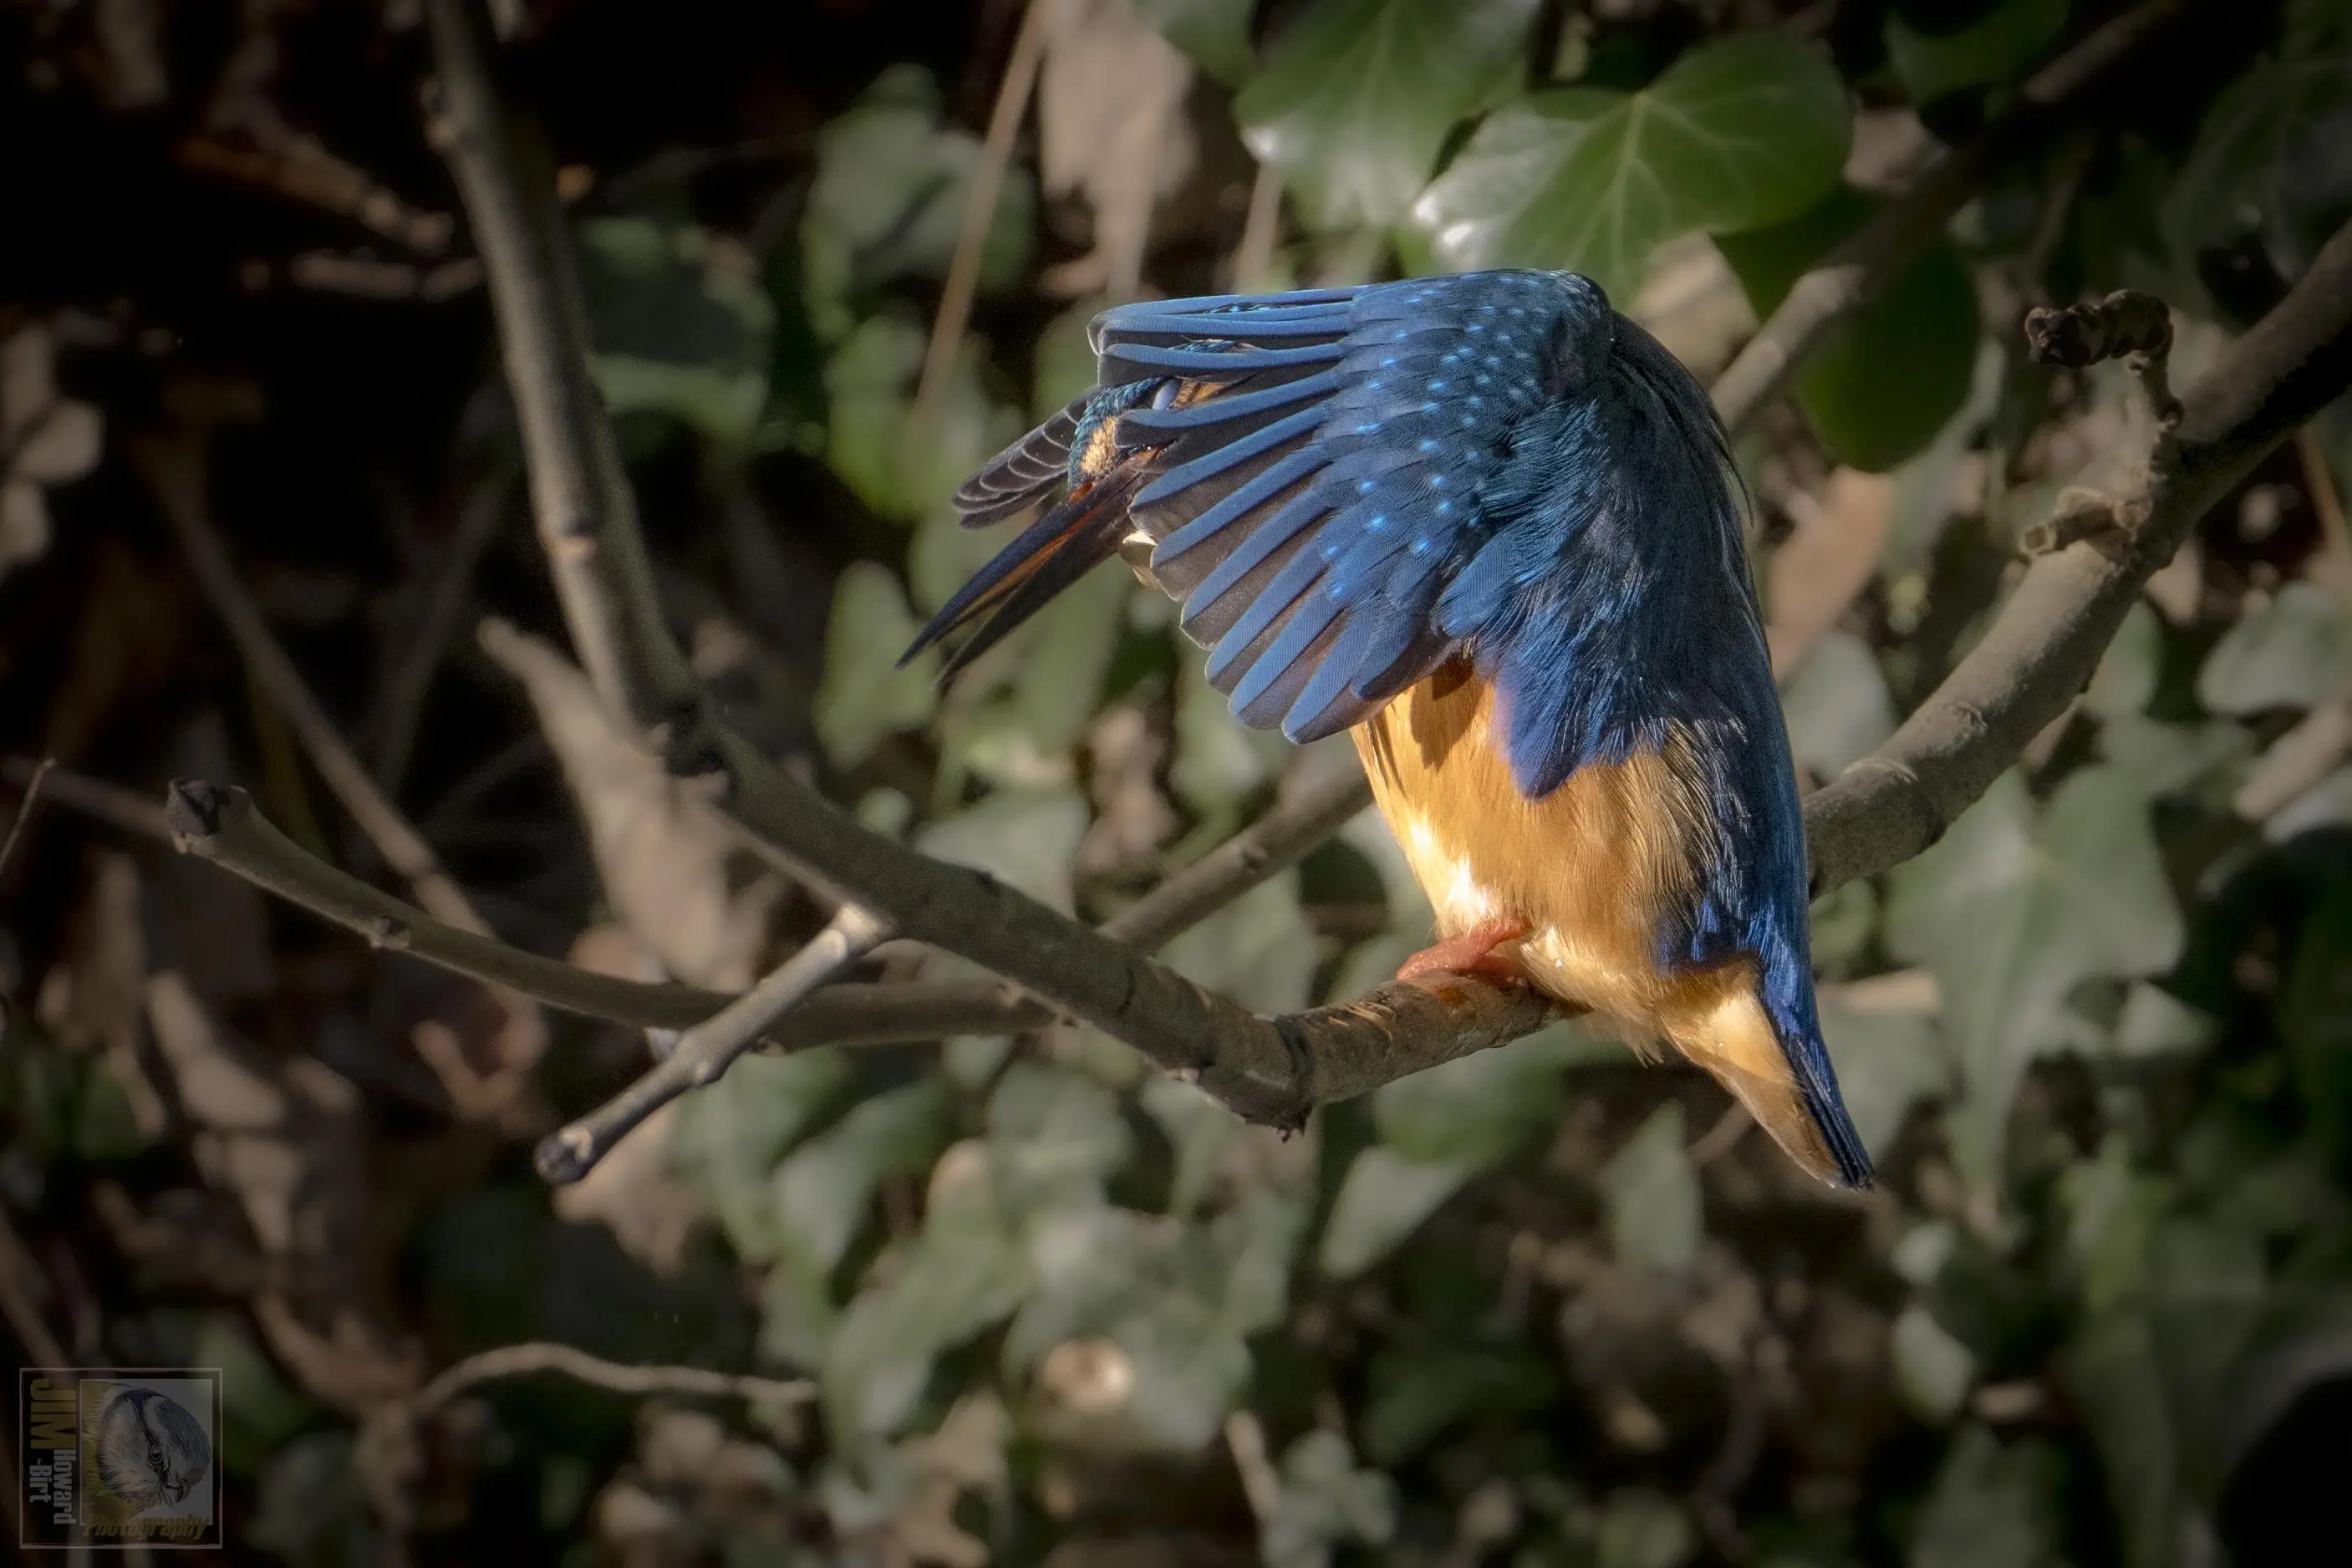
(147,1454)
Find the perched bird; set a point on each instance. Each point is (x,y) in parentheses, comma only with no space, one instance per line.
(1487,525)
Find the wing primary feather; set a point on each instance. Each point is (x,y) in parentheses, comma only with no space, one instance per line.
(1263,440)
(1023,472)
(1058,548)
(1142,361)
(1210,412)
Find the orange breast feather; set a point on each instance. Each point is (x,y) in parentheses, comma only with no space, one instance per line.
(1591,868)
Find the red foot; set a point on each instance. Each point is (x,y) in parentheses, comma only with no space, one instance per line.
(1472,952)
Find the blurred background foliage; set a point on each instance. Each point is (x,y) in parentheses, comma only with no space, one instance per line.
(1541,1307)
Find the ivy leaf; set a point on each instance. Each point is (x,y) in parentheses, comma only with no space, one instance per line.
(1990,51)
(1215,33)
(1837,705)
(727,1145)
(1925,321)
(1416,1390)
(1356,96)
(2011,914)
(2263,164)
(1384,1199)
(1991,1506)
(964,1274)
(871,441)
(888,198)
(2293,653)
(821,1192)
(1499,181)
(1651,1192)
(1023,837)
(862,695)
(678,329)
(1738,134)
(1258,951)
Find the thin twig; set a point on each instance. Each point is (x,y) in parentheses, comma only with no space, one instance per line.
(581,499)
(546,1355)
(1850,276)
(174,466)
(222,825)
(175,469)
(109,804)
(962,283)
(1245,1440)
(2327,504)
(24,809)
(17,1274)
(423,645)
(704,1053)
(2298,760)
(1261,229)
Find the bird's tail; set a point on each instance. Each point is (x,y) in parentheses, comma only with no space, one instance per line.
(1785,1083)
(1077,535)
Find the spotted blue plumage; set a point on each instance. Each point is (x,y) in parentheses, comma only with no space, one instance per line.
(1348,488)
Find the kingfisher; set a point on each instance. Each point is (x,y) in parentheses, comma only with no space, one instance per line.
(1488,526)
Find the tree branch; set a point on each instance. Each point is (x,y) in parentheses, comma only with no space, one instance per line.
(2041,649)
(1837,288)
(2049,634)
(705,1051)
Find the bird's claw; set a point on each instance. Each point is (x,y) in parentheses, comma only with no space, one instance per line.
(1472,952)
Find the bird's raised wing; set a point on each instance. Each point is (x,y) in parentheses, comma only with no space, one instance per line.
(1307,468)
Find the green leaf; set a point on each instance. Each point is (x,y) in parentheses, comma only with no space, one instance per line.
(2011,915)
(1740,132)
(1326,1500)
(1651,1192)
(1838,707)
(1640,1529)
(2295,652)
(823,1188)
(1198,1128)
(872,442)
(864,696)
(727,1144)
(1219,758)
(2261,164)
(1384,1199)
(1054,668)
(1215,33)
(1259,950)
(963,1274)
(1886,1063)
(1356,96)
(1477,1110)
(1991,1506)
(1925,321)
(1990,51)
(677,327)
(888,199)
(1417,1390)
(2112,1372)
(1054,1138)
(1496,187)
(1933,1371)
(1023,837)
